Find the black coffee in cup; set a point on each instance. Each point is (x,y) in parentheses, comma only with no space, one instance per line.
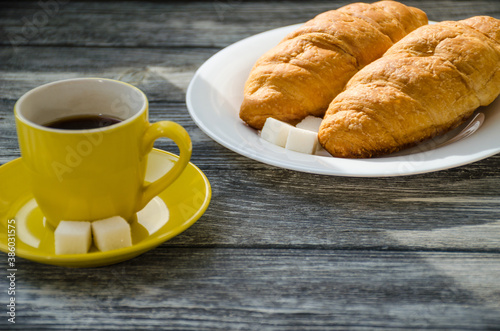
(82,122)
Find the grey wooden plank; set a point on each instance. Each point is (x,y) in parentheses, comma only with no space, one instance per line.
(159,24)
(163,74)
(281,208)
(129,25)
(267,289)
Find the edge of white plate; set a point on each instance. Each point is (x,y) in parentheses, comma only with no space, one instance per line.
(253,147)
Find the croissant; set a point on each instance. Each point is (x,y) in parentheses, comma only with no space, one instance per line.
(309,67)
(428,83)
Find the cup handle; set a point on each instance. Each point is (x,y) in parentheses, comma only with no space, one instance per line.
(175,132)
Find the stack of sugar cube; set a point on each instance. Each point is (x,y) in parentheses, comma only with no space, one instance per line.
(73,237)
(302,138)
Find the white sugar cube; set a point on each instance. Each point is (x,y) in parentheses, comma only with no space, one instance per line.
(303,141)
(275,131)
(311,123)
(72,237)
(111,233)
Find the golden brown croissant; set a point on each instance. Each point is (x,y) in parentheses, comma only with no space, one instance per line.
(428,83)
(310,66)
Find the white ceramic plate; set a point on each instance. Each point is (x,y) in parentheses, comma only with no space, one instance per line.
(215,93)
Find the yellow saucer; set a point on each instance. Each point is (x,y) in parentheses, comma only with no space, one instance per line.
(186,199)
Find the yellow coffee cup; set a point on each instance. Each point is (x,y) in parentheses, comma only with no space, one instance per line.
(92,173)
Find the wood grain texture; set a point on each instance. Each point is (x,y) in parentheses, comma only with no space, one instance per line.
(276,249)
(272,289)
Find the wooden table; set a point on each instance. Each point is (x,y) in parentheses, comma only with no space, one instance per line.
(276,249)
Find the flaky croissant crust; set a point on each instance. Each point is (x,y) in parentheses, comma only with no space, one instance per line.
(310,66)
(428,83)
